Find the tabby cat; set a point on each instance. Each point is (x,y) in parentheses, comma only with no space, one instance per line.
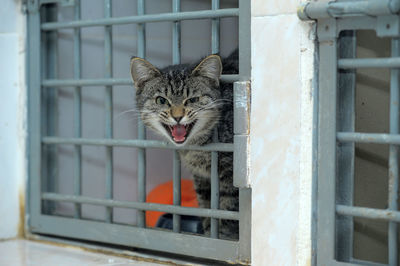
(185,103)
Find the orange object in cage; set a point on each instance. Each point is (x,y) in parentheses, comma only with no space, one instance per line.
(163,194)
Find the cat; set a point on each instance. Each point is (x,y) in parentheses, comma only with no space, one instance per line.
(185,104)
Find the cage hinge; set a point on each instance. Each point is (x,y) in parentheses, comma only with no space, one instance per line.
(241,156)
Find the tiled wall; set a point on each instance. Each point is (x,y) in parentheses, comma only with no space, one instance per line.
(281,124)
(12,114)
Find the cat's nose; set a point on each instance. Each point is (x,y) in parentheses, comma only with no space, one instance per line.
(178,118)
(177,112)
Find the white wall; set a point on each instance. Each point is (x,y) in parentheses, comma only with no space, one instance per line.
(280,134)
(12,118)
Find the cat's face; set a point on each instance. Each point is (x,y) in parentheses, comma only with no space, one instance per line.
(179,104)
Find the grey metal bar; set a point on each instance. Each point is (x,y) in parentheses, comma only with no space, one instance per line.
(390,62)
(34,119)
(244,40)
(214,223)
(108,107)
(141,51)
(52,83)
(327,9)
(215,29)
(50,108)
(369,213)
(226,147)
(204,14)
(214,188)
(327,151)
(346,151)
(176,59)
(221,214)
(176,222)
(394,154)
(77,110)
(139,237)
(369,138)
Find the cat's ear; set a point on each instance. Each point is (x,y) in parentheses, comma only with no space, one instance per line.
(210,67)
(142,71)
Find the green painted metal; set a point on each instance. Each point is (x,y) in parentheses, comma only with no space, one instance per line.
(346,151)
(139,236)
(107,82)
(143,206)
(327,144)
(165,241)
(394,155)
(138,143)
(176,59)
(215,43)
(336,141)
(141,183)
(369,213)
(108,105)
(206,14)
(77,110)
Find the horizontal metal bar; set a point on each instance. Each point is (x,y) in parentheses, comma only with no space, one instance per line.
(226,147)
(366,263)
(220,214)
(107,81)
(389,62)
(369,213)
(204,14)
(138,237)
(368,138)
(326,9)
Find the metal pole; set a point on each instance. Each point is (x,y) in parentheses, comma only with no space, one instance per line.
(141,52)
(108,107)
(394,154)
(214,223)
(77,110)
(176,59)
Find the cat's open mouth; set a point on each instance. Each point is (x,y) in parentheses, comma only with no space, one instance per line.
(179,132)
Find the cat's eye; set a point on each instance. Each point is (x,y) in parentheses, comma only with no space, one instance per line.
(161,100)
(193,100)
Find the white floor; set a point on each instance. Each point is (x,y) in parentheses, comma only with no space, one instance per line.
(23,252)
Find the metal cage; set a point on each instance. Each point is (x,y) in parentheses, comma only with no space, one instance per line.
(335,137)
(43,138)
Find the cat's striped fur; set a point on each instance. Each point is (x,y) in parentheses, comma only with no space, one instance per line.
(185,104)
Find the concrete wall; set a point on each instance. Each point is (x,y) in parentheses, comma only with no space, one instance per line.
(281,124)
(12,119)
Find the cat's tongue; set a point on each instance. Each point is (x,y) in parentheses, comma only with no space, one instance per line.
(179,133)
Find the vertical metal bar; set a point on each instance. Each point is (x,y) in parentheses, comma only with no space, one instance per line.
(177,191)
(108,107)
(34,119)
(214,188)
(141,50)
(214,223)
(327,143)
(244,40)
(176,59)
(215,29)
(77,110)
(51,110)
(394,154)
(346,151)
(176,34)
